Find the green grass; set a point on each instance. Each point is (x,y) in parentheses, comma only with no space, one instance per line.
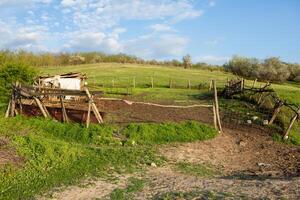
(196,169)
(168,132)
(133,186)
(56,154)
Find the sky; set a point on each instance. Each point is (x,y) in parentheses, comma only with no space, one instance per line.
(210,31)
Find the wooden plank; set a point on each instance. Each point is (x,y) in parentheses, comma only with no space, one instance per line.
(64,112)
(38,102)
(88,115)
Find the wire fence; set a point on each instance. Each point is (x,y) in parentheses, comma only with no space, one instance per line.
(152,82)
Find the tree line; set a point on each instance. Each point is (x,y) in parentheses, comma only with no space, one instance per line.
(62,59)
(269,69)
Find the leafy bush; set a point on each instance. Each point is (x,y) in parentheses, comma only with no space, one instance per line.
(12,72)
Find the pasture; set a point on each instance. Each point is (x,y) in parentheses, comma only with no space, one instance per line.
(139,149)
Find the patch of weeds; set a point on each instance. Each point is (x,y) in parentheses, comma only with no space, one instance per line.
(195,169)
(196,195)
(134,185)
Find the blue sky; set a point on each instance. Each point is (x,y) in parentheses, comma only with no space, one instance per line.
(209,30)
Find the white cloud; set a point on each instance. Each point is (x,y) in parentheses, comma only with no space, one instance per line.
(161,28)
(93,41)
(157,46)
(212,59)
(95,25)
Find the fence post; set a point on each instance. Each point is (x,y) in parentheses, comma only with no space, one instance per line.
(113,83)
(254,83)
(276,111)
(170,83)
(152,82)
(217,106)
(286,135)
(189,84)
(134,82)
(210,85)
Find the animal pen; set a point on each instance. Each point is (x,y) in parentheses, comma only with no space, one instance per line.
(260,95)
(66,98)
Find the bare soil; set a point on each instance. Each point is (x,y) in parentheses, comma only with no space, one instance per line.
(116,111)
(8,154)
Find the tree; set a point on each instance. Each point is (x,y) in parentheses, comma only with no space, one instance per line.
(187,61)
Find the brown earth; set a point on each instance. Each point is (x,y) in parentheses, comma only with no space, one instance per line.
(116,111)
(8,154)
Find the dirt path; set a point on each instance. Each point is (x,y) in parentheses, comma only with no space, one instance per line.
(269,170)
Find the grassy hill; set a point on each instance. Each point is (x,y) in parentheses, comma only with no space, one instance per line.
(104,75)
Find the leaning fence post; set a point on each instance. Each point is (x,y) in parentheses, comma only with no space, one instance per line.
(276,111)
(286,134)
(217,106)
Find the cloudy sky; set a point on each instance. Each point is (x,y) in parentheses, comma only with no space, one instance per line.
(209,30)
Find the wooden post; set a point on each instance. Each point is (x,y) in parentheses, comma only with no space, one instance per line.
(38,102)
(242,84)
(170,83)
(8,109)
(133,82)
(275,113)
(63,109)
(254,83)
(113,83)
(13,104)
(286,135)
(215,117)
(210,85)
(217,106)
(88,115)
(189,84)
(94,107)
(152,82)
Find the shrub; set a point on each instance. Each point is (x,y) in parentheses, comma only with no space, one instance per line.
(12,72)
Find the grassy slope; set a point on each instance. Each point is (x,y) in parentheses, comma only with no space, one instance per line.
(56,153)
(123,75)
